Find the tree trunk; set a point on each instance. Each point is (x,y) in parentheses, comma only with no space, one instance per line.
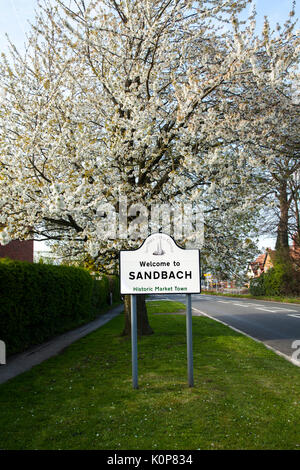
(143,326)
(282,241)
(297,217)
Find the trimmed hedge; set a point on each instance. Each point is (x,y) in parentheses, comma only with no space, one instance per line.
(100,294)
(39,301)
(114,287)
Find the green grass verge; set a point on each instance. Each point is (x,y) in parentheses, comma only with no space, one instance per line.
(245,396)
(290,300)
(164,306)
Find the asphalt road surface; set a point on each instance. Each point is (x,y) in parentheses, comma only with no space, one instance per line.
(275,324)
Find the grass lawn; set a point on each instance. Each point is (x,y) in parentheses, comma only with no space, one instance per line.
(164,306)
(245,396)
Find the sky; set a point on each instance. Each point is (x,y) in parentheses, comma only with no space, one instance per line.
(16,15)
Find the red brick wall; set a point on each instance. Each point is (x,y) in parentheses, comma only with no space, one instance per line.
(18,250)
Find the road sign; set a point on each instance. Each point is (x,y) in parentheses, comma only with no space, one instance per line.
(160,266)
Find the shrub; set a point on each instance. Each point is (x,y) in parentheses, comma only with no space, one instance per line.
(274,281)
(39,301)
(100,294)
(257,286)
(114,287)
(281,280)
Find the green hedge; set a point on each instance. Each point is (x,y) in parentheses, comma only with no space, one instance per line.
(114,288)
(39,301)
(280,280)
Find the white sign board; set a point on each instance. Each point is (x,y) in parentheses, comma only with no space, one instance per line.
(159,266)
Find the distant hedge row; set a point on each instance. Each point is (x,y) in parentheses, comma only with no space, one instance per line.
(280,280)
(39,301)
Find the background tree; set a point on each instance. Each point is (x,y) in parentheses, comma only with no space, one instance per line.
(274,154)
(295,208)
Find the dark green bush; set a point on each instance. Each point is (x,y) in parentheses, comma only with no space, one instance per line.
(100,294)
(114,288)
(257,286)
(274,281)
(281,280)
(39,301)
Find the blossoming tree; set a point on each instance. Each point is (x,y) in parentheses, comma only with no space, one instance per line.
(127,98)
(275,124)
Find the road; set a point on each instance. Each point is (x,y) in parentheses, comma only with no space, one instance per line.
(275,324)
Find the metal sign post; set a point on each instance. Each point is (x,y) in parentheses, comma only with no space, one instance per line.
(2,353)
(134,343)
(189,340)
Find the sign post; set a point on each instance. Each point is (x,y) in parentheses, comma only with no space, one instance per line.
(160,266)
(134,343)
(2,353)
(189,340)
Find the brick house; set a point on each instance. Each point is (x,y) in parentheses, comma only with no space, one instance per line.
(18,250)
(256,268)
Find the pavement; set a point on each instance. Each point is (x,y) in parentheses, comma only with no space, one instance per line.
(19,363)
(275,324)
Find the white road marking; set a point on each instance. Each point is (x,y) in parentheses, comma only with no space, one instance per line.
(242,305)
(296,316)
(265,309)
(286,309)
(276,309)
(259,307)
